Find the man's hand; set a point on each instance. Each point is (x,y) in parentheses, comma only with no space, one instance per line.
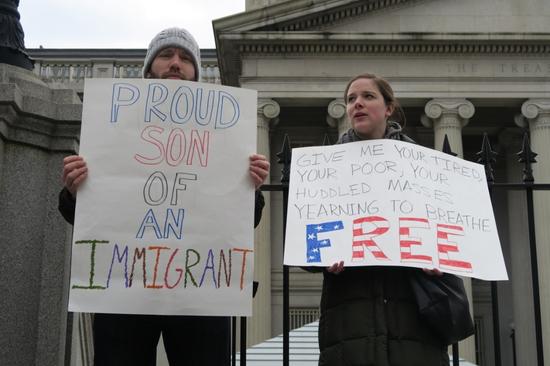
(74,173)
(259,169)
(336,268)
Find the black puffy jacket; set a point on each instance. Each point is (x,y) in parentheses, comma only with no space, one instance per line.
(369,316)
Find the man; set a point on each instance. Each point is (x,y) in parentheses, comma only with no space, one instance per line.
(126,339)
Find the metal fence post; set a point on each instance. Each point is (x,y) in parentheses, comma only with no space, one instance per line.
(487,157)
(527,156)
(285,156)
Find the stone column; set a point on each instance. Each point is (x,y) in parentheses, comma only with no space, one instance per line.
(259,326)
(337,116)
(448,117)
(38,127)
(537,112)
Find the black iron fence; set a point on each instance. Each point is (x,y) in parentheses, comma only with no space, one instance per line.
(486,157)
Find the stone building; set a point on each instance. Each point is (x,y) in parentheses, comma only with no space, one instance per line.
(459,68)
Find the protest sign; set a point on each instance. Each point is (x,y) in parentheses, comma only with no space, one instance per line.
(164,221)
(391,203)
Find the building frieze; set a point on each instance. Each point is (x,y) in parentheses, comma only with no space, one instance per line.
(317,43)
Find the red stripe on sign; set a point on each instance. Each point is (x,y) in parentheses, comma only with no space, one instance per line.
(369,219)
(376,232)
(379,255)
(408,243)
(446,248)
(456,264)
(426,258)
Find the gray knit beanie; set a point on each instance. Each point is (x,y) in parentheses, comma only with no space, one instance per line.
(173,37)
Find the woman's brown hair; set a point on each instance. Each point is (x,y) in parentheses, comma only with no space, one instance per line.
(387,93)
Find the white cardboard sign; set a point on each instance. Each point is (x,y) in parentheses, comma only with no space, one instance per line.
(391,203)
(164,221)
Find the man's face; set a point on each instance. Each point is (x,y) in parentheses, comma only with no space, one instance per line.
(172,63)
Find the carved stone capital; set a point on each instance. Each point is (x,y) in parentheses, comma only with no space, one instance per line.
(462,109)
(426,121)
(534,108)
(336,112)
(521,121)
(268,111)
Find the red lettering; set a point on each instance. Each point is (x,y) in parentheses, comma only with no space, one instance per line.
(147,135)
(445,246)
(362,239)
(179,147)
(200,146)
(406,241)
(243,268)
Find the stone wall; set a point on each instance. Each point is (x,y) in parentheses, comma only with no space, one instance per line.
(38,127)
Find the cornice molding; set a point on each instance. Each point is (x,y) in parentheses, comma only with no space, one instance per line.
(102,53)
(302,15)
(336,15)
(269,17)
(350,46)
(298,28)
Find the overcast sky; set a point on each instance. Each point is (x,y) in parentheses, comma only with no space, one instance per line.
(118,23)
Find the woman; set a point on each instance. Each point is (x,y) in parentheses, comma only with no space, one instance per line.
(369,316)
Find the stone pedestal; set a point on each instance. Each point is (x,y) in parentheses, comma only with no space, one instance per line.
(38,127)
(537,112)
(448,117)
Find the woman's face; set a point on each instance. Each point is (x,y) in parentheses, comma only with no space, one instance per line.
(366,109)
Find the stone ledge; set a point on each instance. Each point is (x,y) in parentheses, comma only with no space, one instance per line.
(30,95)
(35,131)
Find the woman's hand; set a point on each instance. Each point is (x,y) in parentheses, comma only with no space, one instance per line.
(336,267)
(74,173)
(433,272)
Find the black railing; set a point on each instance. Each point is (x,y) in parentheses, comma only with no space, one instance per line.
(486,157)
